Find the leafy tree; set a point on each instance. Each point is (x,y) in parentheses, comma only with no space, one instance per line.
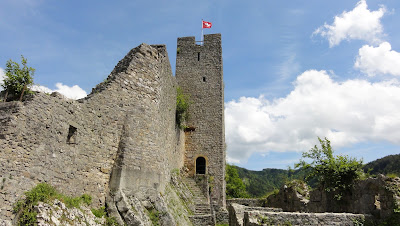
(335,174)
(235,187)
(17,80)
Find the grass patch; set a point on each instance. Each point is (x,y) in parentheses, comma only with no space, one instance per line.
(100,212)
(154,216)
(275,192)
(392,175)
(44,193)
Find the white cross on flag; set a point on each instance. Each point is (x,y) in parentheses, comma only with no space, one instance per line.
(207,24)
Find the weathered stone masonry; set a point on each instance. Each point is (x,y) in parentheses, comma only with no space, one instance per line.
(199,73)
(122,138)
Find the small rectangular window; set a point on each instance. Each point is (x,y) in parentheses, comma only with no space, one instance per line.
(198,56)
(204,79)
(71,138)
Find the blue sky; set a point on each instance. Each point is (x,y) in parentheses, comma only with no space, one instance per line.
(293,70)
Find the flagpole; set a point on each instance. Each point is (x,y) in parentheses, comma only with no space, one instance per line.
(201,32)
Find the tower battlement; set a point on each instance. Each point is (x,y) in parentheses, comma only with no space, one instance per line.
(208,40)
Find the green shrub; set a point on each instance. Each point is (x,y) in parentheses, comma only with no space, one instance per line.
(273,192)
(18,80)
(182,106)
(154,216)
(75,201)
(111,221)
(43,193)
(392,175)
(335,174)
(100,212)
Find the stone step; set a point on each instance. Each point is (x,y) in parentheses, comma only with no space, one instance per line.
(200,212)
(202,220)
(203,204)
(202,208)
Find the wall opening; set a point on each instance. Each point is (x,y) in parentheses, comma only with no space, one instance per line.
(200,165)
(71,138)
(204,79)
(189,129)
(198,56)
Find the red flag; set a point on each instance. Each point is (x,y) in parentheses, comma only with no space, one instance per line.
(207,24)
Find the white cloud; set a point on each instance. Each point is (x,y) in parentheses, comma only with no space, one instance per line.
(378,60)
(346,113)
(360,23)
(72,92)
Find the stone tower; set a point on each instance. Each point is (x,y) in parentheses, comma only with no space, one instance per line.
(199,73)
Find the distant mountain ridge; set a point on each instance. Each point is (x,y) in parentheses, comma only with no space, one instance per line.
(386,165)
(260,183)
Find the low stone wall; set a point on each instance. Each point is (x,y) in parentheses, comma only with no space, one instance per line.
(240,215)
(256,217)
(246,202)
(237,212)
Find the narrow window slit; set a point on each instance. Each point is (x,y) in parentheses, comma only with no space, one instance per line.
(198,56)
(71,138)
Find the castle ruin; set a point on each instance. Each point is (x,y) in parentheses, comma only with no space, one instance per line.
(121,142)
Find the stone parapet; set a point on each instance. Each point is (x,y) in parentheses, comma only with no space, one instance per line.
(252,218)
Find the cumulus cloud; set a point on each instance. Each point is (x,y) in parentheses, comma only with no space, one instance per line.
(360,23)
(346,113)
(378,60)
(72,92)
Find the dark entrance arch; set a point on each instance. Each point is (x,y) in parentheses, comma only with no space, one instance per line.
(200,165)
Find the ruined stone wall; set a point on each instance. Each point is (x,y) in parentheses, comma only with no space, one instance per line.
(246,202)
(73,145)
(253,218)
(199,73)
(376,196)
(248,216)
(149,143)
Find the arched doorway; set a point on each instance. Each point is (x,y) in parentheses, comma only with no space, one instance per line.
(200,165)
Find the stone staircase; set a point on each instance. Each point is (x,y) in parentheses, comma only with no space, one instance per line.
(202,211)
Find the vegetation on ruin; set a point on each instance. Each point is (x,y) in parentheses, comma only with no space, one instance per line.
(17,79)
(335,174)
(235,187)
(43,192)
(154,216)
(24,208)
(182,106)
(101,212)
